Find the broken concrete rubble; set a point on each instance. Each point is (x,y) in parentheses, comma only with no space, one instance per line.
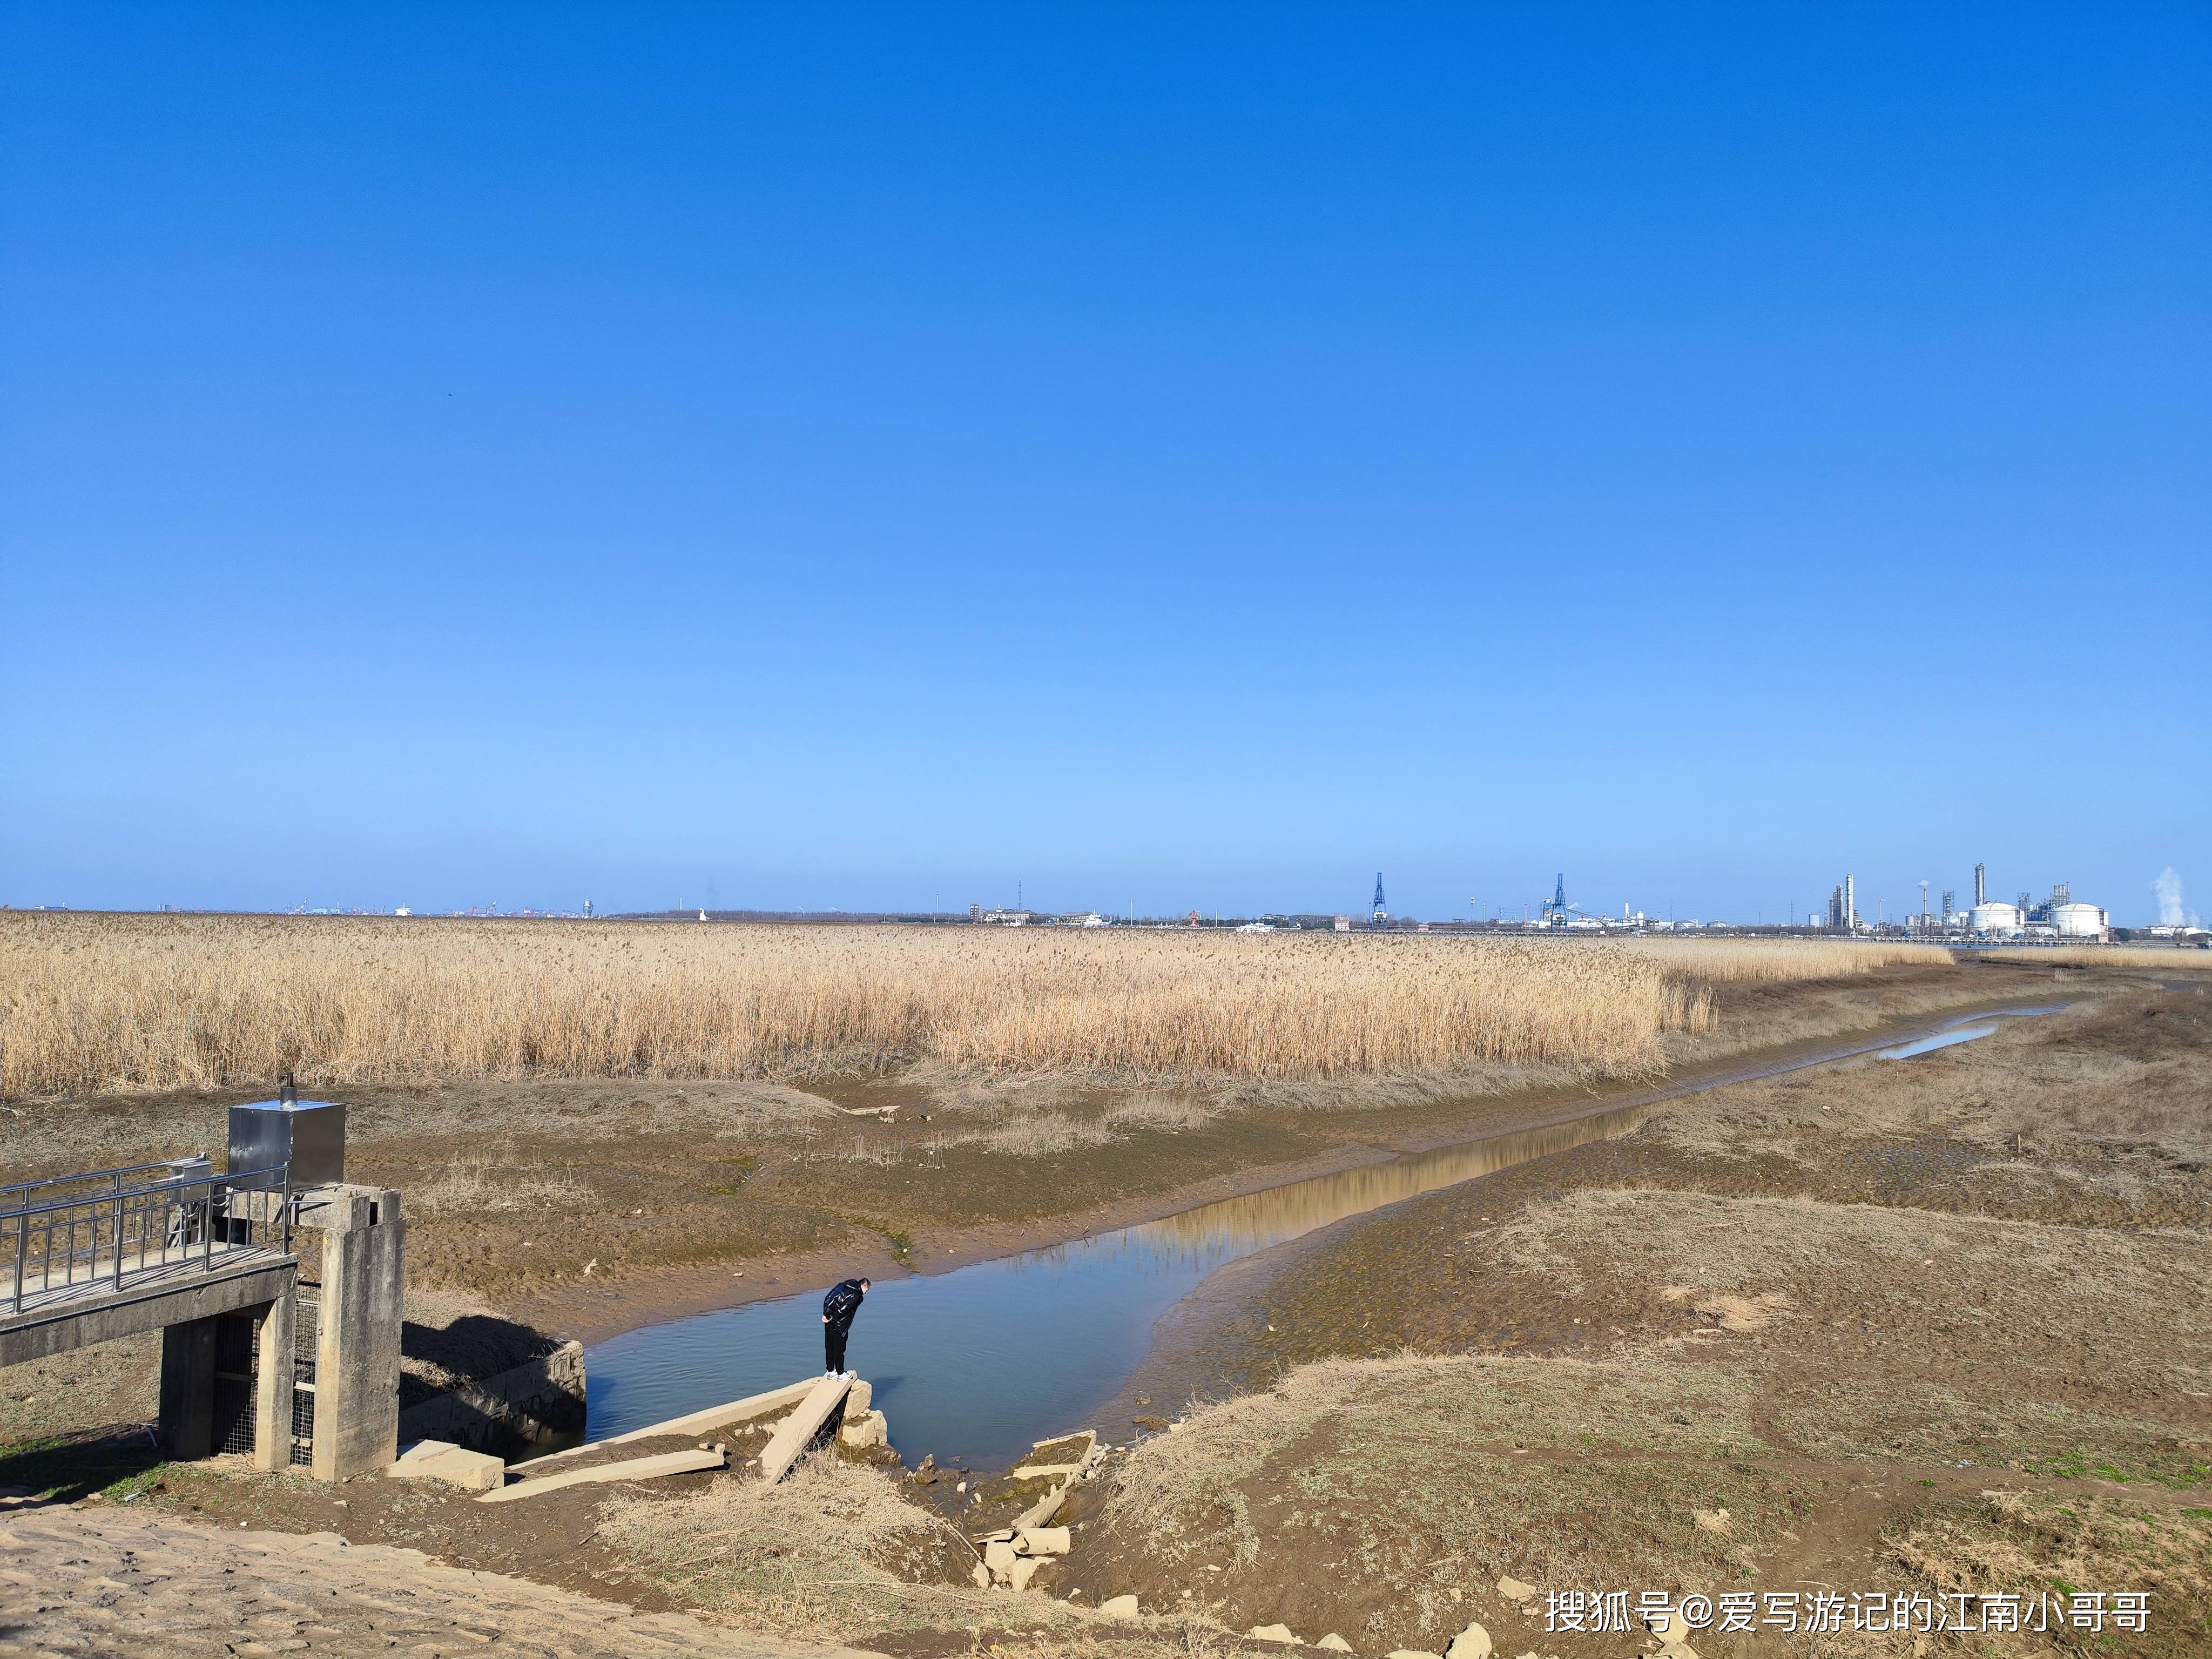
(867,1430)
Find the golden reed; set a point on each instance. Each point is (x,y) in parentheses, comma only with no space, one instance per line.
(92,1003)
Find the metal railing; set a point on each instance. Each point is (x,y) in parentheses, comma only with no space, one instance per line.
(55,1243)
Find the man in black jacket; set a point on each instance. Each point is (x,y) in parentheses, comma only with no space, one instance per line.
(837,1310)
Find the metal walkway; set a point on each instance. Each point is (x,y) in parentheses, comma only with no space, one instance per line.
(87,1257)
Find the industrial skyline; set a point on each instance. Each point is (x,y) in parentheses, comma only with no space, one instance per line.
(2059,915)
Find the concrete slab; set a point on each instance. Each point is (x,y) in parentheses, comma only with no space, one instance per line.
(798,1429)
(737,1411)
(1043,1509)
(633,1468)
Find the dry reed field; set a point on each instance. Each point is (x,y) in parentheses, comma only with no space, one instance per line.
(93,1003)
(2154,957)
(1719,961)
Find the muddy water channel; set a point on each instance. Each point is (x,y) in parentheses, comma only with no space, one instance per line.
(976,1363)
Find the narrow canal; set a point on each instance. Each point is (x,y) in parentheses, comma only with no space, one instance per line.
(977,1363)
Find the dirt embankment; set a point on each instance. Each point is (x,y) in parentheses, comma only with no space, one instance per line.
(1919,1327)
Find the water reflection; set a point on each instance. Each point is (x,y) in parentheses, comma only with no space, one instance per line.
(1965,1030)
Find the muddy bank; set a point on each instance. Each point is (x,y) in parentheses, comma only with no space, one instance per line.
(1854,1328)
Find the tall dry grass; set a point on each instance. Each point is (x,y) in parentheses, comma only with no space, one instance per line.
(2097,956)
(99,1003)
(1715,961)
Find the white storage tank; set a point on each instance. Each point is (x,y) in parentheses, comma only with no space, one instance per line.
(1997,918)
(2079,921)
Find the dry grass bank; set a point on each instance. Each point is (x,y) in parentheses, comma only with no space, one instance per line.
(2154,957)
(833,1551)
(1774,961)
(122,1003)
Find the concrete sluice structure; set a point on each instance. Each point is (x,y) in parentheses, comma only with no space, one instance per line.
(280,1306)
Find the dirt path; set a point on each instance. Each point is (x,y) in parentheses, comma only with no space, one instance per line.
(136,1587)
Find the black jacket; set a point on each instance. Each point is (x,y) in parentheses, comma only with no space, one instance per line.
(843,1302)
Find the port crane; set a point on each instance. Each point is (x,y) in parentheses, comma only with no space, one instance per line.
(1558,912)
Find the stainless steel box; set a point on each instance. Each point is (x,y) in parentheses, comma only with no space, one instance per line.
(308,1135)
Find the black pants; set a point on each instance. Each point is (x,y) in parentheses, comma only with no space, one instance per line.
(833,1344)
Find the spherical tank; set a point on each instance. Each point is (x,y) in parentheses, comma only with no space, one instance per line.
(2078,920)
(1995,918)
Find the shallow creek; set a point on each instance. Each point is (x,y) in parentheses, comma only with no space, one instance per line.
(975,1362)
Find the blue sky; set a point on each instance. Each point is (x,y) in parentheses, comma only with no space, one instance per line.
(845,456)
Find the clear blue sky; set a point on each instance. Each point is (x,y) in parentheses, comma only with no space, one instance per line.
(835,456)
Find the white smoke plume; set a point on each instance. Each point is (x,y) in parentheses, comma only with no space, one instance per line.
(2169,889)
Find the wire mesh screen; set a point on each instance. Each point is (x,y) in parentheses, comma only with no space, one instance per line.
(306,1338)
(237,1362)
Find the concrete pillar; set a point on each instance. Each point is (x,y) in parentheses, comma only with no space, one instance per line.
(187,1407)
(272,1384)
(357,1346)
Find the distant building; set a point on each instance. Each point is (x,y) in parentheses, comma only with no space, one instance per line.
(1342,925)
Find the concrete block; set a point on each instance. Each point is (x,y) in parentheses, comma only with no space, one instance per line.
(1119,1607)
(1042,1541)
(860,1399)
(1472,1643)
(1271,1633)
(1018,1576)
(457,1465)
(1334,1644)
(999,1558)
(870,1429)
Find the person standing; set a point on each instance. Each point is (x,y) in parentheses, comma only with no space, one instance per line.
(837,1310)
